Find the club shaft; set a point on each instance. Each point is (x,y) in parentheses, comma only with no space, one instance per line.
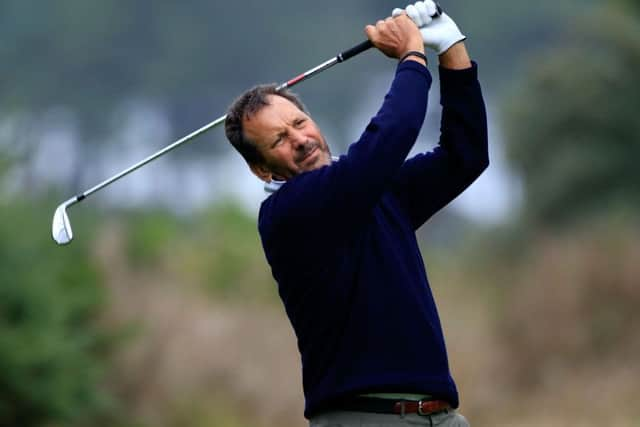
(304,76)
(308,74)
(341,57)
(154,156)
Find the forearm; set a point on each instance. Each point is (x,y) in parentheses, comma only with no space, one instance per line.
(429,181)
(464,118)
(391,134)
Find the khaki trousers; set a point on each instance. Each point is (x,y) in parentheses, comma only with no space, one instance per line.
(449,418)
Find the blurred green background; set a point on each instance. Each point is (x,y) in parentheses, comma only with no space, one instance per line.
(162,312)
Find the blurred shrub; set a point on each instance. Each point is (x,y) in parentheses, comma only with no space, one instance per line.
(574,303)
(150,235)
(4,163)
(218,249)
(214,411)
(572,130)
(234,259)
(632,6)
(51,348)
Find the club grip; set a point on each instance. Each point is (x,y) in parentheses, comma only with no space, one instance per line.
(350,53)
(438,11)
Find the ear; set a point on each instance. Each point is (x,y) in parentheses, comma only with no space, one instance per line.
(262,172)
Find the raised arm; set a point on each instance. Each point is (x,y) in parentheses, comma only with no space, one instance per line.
(349,188)
(429,181)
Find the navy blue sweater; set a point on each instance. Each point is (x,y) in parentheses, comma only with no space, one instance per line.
(341,244)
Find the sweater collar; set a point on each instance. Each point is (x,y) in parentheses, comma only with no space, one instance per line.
(274,185)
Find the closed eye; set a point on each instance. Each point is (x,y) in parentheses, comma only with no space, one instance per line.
(276,142)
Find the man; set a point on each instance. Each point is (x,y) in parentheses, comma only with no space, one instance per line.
(340,235)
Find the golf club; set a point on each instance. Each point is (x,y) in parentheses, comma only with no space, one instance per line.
(61,227)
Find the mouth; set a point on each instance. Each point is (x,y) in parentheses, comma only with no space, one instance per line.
(308,155)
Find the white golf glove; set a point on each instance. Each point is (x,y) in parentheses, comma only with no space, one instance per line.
(439,33)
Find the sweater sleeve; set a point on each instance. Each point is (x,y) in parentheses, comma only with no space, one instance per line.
(429,181)
(342,192)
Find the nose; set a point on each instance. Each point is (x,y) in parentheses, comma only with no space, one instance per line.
(297,138)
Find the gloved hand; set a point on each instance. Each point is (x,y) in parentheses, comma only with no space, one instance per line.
(439,33)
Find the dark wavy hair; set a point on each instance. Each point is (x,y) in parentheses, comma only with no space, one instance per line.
(246,105)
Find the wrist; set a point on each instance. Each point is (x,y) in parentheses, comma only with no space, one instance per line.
(455,57)
(414,55)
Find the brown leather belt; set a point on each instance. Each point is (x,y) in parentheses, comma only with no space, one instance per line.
(423,407)
(393,406)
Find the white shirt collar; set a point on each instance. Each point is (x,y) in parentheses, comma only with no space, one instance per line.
(274,185)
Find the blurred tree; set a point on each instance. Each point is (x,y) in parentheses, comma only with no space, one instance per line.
(218,249)
(5,163)
(572,130)
(52,351)
(632,5)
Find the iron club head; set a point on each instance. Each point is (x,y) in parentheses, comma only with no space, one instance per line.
(61,227)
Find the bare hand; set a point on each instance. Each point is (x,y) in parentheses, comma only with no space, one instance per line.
(395,36)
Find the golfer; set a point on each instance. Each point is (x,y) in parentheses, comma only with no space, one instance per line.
(339,234)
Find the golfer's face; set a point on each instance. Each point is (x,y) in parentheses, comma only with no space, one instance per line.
(288,139)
